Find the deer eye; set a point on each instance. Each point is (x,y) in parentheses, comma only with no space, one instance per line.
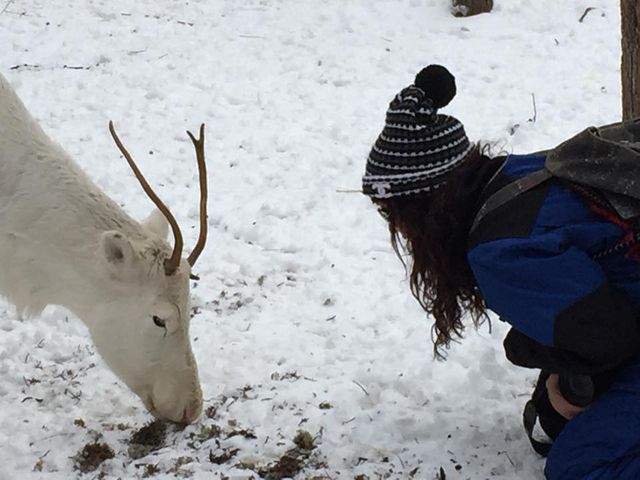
(159,322)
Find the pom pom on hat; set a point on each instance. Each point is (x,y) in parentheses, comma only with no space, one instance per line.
(438,84)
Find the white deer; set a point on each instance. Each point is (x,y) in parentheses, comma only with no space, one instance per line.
(65,242)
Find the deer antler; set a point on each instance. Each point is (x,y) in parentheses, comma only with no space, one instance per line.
(170,264)
(202,173)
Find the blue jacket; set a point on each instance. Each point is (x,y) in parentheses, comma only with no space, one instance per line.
(532,260)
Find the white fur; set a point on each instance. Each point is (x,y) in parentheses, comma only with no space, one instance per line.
(64,242)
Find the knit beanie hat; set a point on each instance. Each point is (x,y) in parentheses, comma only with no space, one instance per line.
(418,146)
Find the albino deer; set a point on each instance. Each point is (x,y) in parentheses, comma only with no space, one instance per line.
(65,242)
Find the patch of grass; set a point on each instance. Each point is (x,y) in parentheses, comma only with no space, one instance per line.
(150,470)
(223,457)
(304,440)
(207,432)
(246,433)
(246,465)
(91,456)
(288,466)
(39,465)
(286,376)
(211,411)
(293,460)
(178,467)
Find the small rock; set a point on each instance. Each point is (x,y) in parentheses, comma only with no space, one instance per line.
(467,8)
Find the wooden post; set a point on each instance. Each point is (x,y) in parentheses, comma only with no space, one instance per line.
(630,10)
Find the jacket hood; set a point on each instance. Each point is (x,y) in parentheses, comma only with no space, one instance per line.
(606,158)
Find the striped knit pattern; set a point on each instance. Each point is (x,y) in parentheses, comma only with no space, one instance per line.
(416,148)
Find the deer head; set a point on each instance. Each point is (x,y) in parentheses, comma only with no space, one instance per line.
(143,332)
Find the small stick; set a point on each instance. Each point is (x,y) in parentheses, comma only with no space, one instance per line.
(363,389)
(9,2)
(24,65)
(71,67)
(586,12)
(535,110)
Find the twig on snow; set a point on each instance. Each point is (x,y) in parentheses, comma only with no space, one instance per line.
(535,110)
(586,12)
(135,52)
(24,65)
(363,389)
(71,67)
(9,2)
(39,400)
(63,67)
(506,454)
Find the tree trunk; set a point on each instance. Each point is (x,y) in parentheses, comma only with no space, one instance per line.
(630,59)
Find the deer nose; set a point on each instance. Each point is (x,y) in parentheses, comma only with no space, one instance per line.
(191,412)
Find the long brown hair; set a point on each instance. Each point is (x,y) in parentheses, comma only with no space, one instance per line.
(432,228)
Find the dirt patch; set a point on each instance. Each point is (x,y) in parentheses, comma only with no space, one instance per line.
(206,433)
(179,469)
(242,432)
(149,469)
(293,461)
(91,456)
(304,440)
(224,457)
(287,467)
(147,439)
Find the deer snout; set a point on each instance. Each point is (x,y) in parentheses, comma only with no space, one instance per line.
(192,412)
(181,414)
(184,408)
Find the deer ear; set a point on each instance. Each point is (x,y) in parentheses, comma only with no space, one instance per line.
(116,250)
(157,224)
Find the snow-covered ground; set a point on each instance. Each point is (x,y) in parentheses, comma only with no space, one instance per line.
(301,302)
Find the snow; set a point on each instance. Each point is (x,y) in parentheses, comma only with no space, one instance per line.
(301,299)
